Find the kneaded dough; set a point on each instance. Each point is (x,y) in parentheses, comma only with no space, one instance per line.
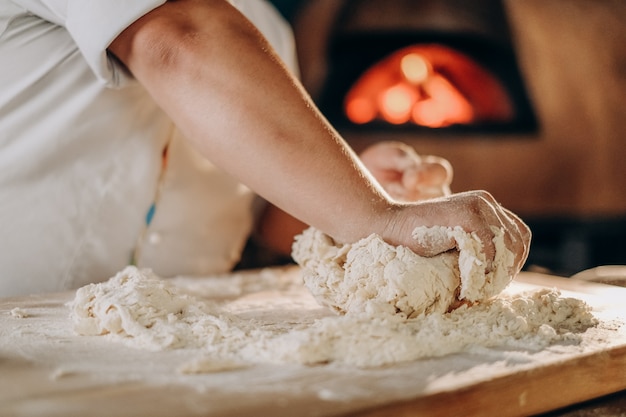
(374,278)
(386,293)
(143,311)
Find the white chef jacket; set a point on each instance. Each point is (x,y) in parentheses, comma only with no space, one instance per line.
(81,147)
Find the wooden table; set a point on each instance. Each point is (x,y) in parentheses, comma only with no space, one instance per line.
(47,370)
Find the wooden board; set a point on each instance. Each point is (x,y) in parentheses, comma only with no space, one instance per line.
(46,370)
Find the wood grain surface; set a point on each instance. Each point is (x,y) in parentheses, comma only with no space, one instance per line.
(46,370)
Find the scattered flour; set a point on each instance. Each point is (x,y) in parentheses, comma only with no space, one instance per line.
(526,321)
(19,313)
(147,312)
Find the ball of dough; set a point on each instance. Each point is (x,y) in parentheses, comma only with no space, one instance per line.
(374,278)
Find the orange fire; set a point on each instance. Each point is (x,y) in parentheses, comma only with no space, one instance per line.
(428,85)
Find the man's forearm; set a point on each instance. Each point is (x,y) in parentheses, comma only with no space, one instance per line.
(226,90)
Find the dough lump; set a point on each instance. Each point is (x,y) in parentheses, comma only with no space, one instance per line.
(145,311)
(374,278)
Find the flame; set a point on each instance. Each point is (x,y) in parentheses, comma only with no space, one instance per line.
(396,103)
(360,110)
(444,106)
(415,68)
(428,85)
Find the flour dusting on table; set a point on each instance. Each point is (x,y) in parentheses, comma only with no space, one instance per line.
(146,312)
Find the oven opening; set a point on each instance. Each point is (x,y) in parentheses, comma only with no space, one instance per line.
(433,81)
(428,85)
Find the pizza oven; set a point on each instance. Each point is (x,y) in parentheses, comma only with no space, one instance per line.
(523,97)
(415,65)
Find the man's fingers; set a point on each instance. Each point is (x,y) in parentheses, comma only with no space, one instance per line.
(431,243)
(517,234)
(525,236)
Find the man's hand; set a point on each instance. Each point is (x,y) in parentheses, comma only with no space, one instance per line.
(409,177)
(474,211)
(405,175)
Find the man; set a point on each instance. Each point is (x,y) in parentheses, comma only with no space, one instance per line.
(97,92)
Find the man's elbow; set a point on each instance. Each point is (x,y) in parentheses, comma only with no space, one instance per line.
(171,36)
